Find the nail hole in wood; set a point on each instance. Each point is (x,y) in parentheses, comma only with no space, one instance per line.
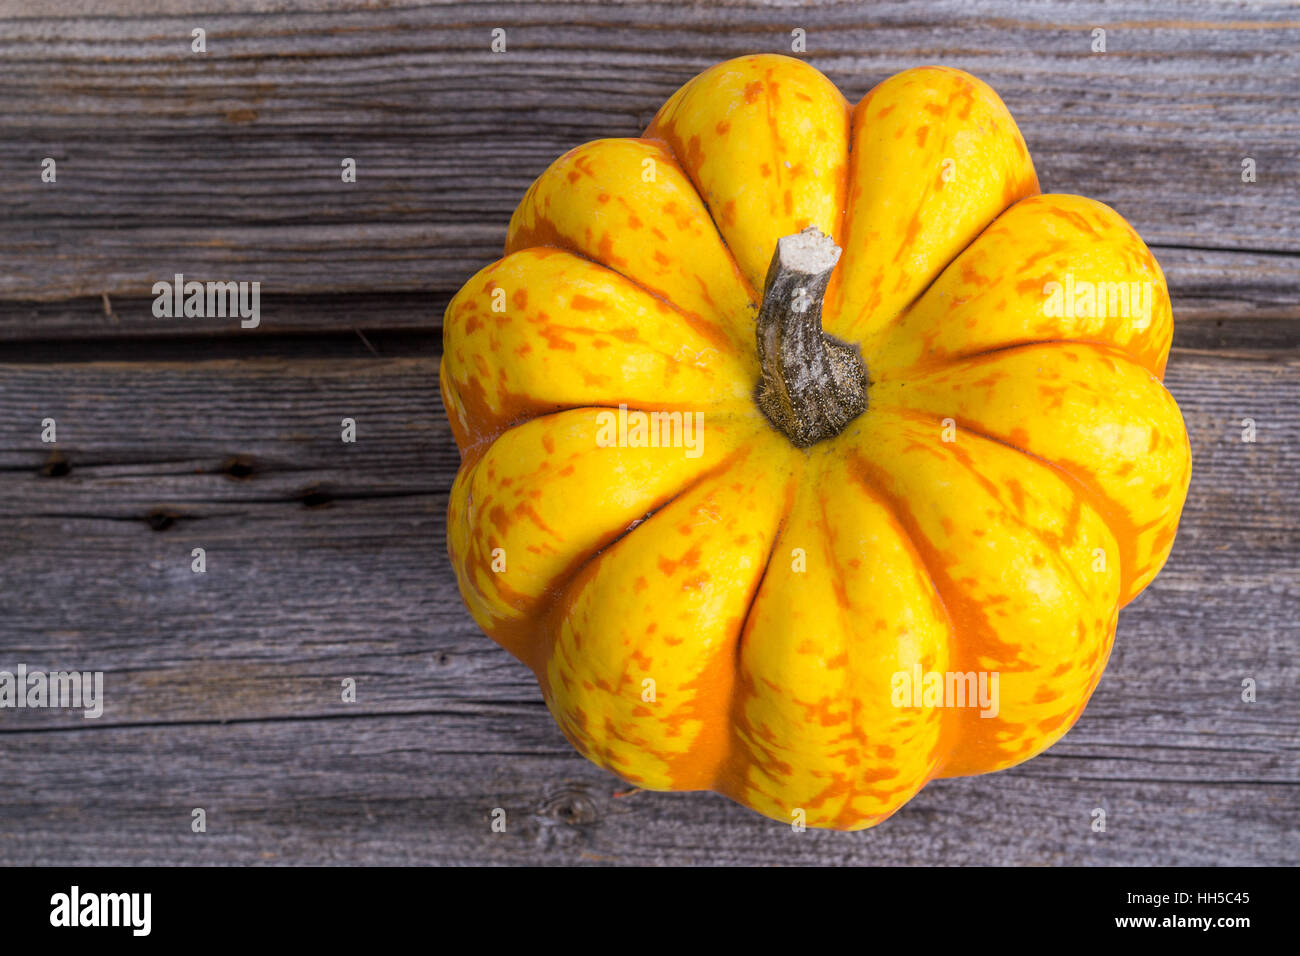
(160,520)
(56,466)
(316,498)
(238,467)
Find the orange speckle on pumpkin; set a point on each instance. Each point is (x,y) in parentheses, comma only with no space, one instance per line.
(694,153)
(968,101)
(909,237)
(555,338)
(605,252)
(1017,491)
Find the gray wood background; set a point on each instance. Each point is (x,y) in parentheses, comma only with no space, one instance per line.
(327,561)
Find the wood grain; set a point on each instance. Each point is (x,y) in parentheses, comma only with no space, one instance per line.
(1206,287)
(360,791)
(326,560)
(226,164)
(223,689)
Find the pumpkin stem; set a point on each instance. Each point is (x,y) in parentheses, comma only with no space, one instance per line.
(813,384)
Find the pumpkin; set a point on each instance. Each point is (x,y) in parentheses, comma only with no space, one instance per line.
(808,451)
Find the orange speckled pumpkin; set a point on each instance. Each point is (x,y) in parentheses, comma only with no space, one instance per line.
(926,455)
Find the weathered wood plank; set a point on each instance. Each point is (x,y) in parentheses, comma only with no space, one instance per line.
(447,135)
(105,318)
(1206,287)
(297,597)
(421,789)
(281,418)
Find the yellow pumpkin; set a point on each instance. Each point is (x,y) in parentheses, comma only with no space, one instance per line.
(808,451)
